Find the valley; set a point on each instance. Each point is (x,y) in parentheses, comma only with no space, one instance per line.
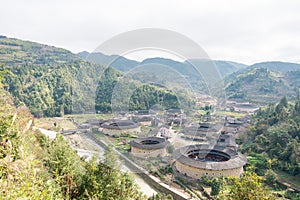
(161,119)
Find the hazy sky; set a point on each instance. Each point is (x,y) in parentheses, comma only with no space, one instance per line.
(244,31)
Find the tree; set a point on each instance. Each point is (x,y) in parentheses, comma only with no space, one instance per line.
(111,158)
(160,196)
(170,149)
(65,166)
(249,187)
(106,181)
(216,186)
(283,103)
(270,177)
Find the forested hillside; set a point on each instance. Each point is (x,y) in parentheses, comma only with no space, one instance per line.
(45,78)
(261,85)
(53,81)
(123,64)
(33,167)
(273,140)
(277,66)
(141,96)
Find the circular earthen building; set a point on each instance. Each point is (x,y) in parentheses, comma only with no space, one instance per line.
(114,127)
(196,161)
(149,147)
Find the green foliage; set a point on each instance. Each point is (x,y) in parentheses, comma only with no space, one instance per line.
(270,177)
(262,85)
(8,138)
(50,81)
(65,166)
(216,186)
(105,90)
(111,158)
(102,181)
(248,187)
(143,97)
(148,95)
(161,197)
(275,133)
(33,167)
(22,176)
(54,82)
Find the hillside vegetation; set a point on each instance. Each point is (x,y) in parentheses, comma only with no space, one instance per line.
(168,72)
(123,64)
(53,81)
(273,140)
(47,79)
(261,85)
(33,167)
(133,95)
(277,66)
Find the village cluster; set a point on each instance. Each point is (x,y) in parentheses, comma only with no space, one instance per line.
(200,148)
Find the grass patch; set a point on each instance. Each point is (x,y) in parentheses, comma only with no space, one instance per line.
(56,124)
(202,112)
(176,128)
(228,113)
(80,118)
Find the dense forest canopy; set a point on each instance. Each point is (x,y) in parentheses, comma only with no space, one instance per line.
(262,85)
(275,135)
(142,96)
(54,82)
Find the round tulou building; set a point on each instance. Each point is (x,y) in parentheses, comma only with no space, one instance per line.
(149,147)
(114,127)
(195,161)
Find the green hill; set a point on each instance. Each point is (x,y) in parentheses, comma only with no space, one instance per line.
(262,85)
(33,167)
(49,80)
(273,139)
(52,81)
(115,61)
(277,66)
(123,64)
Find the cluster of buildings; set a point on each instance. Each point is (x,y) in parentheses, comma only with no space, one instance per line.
(217,157)
(195,161)
(242,107)
(215,154)
(175,117)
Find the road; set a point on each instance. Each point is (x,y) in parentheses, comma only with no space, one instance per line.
(48,133)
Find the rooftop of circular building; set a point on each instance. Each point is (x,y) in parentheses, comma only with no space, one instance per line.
(149,143)
(120,124)
(208,158)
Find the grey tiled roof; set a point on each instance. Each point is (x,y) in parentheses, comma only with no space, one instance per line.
(119,124)
(236,159)
(138,143)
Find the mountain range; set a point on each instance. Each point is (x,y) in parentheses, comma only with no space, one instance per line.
(261,83)
(225,68)
(52,81)
(123,64)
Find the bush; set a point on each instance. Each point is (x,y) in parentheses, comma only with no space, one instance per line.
(270,177)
